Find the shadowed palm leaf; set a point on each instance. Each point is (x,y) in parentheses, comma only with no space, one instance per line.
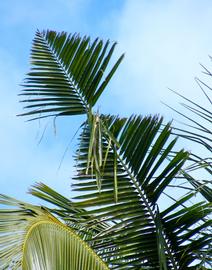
(131,182)
(132,176)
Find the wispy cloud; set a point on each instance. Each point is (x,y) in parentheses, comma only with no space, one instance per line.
(164,42)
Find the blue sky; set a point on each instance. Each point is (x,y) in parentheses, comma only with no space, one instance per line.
(164,42)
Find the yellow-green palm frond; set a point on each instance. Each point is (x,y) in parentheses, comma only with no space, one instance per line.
(32,238)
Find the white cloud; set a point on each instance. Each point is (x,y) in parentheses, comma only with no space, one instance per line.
(164,42)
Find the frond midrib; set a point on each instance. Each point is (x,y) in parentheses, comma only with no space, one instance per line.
(150,210)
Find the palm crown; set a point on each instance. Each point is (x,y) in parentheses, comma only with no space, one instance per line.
(124,167)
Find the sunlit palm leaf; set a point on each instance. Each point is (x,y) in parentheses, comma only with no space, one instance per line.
(67,75)
(31,238)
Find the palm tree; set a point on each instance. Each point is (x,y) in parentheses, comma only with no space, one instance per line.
(124,169)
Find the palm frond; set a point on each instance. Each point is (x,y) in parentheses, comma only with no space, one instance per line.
(189,231)
(128,195)
(32,238)
(196,130)
(199,186)
(64,208)
(68,74)
(197,118)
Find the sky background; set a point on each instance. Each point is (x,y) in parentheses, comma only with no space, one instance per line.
(164,42)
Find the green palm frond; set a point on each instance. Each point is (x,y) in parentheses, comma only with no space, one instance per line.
(197,117)
(68,74)
(32,238)
(199,186)
(130,188)
(198,120)
(65,210)
(189,229)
